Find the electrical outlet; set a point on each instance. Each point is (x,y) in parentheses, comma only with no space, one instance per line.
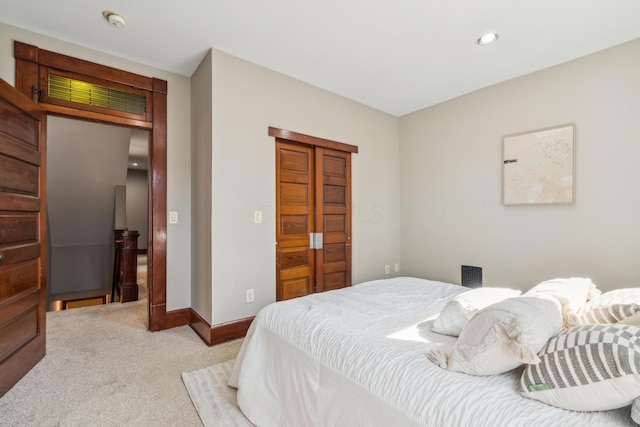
(387,270)
(250,295)
(396,268)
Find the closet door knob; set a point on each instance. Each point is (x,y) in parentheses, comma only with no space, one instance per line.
(1,256)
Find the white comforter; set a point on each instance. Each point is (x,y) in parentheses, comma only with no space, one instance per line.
(356,357)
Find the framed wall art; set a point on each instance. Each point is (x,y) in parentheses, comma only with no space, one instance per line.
(538,167)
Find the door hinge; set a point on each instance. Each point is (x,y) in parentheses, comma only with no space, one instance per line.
(315,240)
(36,93)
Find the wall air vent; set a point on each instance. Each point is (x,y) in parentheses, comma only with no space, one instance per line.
(471,276)
(71,90)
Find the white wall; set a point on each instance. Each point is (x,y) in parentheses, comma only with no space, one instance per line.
(451,179)
(120,209)
(86,162)
(247,99)
(137,195)
(178,140)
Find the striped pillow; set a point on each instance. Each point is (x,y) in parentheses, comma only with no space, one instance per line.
(611,307)
(587,368)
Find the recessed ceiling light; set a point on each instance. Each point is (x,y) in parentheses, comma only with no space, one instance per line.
(115,19)
(134,164)
(487,39)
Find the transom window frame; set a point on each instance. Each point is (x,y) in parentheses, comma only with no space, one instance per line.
(44,95)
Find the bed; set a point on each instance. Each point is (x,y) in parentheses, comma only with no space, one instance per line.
(356,357)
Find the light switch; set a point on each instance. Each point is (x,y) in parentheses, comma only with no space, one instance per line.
(173,217)
(257,217)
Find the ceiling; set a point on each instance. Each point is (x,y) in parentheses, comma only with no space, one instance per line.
(397,56)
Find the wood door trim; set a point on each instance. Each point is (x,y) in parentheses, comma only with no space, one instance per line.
(29,58)
(311,140)
(62,111)
(62,62)
(318,214)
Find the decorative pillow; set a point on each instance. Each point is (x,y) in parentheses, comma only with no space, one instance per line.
(635,410)
(459,310)
(587,368)
(501,337)
(620,305)
(633,320)
(571,293)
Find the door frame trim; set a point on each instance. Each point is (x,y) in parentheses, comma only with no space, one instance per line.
(311,140)
(29,58)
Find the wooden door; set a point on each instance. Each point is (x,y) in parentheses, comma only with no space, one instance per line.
(22,232)
(333,219)
(295,206)
(313,196)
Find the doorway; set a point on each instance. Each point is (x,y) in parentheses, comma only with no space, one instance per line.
(96,183)
(34,69)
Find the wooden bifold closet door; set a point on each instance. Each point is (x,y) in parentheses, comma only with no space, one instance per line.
(313,195)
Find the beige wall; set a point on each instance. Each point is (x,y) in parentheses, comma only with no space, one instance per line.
(247,99)
(137,194)
(178,140)
(201,131)
(235,176)
(451,179)
(449,185)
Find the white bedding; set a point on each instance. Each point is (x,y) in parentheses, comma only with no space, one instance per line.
(356,357)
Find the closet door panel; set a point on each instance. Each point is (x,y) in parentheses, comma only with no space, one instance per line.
(295,211)
(333,219)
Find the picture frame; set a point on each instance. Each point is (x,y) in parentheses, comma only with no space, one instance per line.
(538,167)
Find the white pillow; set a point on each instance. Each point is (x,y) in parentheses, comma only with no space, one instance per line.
(459,310)
(571,293)
(620,305)
(501,337)
(587,368)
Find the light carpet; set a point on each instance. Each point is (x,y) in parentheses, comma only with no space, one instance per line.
(104,368)
(214,400)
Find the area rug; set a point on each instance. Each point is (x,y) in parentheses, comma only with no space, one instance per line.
(214,400)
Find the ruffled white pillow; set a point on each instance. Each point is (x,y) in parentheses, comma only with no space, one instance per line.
(501,337)
(460,309)
(570,293)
